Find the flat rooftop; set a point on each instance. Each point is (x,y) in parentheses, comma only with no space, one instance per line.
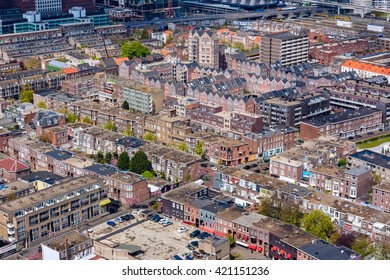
(73,238)
(169,154)
(373,158)
(128,177)
(325,251)
(231,213)
(184,193)
(44,195)
(38,146)
(341,117)
(286,232)
(14,187)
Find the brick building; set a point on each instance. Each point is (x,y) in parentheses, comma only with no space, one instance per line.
(5,135)
(381,196)
(344,124)
(11,169)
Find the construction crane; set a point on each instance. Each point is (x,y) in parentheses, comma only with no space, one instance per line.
(170,8)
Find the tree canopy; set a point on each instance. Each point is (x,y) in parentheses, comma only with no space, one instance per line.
(144,34)
(110,126)
(26,95)
(32,63)
(125,105)
(134,49)
(123,161)
(41,104)
(318,224)
(199,148)
(71,118)
(151,137)
(128,131)
(139,163)
(183,146)
(87,119)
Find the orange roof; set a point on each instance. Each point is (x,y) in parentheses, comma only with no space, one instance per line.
(168,32)
(119,60)
(381,70)
(70,70)
(165,52)
(257,39)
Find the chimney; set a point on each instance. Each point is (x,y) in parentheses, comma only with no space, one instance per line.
(66,249)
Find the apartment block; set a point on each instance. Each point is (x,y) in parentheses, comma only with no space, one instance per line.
(175,165)
(352,183)
(366,70)
(203,47)
(128,188)
(381,196)
(51,211)
(228,152)
(270,141)
(285,47)
(146,101)
(344,124)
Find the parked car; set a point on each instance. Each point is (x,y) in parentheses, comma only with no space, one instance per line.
(370,133)
(197,254)
(204,235)
(128,217)
(257,171)
(358,136)
(204,164)
(167,223)
(195,233)
(111,223)
(119,220)
(214,168)
(194,244)
(157,218)
(380,129)
(153,216)
(182,229)
(162,221)
(90,230)
(253,165)
(177,257)
(159,199)
(152,203)
(247,167)
(351,138)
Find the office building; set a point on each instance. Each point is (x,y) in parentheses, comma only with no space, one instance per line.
(286,48)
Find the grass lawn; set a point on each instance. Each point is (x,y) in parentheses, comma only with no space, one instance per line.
(376,141)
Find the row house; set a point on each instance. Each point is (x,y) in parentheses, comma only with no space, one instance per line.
(258,84)
(377,162)
(244,123)
(139,77)
(126,68)
(343,124)
(102,112)
(381,196)
(352,183)
(286,169)
(243,66)
(193,204)
(350,216)
(60,101)
(177,166)
(245,187)
(45,120)
(78,86)
(183,72)
(5,135)
(270,141)
(175,89)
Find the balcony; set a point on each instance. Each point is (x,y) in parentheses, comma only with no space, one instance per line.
(10,225)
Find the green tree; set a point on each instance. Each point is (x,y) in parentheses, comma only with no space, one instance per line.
(125,105)
(108,157)
(144,34)
(134,49)
(377,178)
(230,237)
(291,214)
(147,174)
(363,246)
(41,104)
(128,131)
(169,40)
(87,119)
(199,148)
(139,163)
(115,155)
(318,224)
(123,161)
(237,256)
(32,63)
(110,126)
(26,95)
(183,146)
(150,137)
(136,33)
(99,157)
(71,118)
(155,206)
(342,162)
(188,178)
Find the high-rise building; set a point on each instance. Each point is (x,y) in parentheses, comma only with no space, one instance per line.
(49,7)
(203,47)
(285,47)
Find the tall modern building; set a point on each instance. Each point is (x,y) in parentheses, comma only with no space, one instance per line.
(203,47)
(49,7)
(286,47)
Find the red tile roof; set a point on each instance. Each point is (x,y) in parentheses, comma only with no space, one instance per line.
(381,70)
(13,165)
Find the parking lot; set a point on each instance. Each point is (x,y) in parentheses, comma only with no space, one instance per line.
(156,241)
